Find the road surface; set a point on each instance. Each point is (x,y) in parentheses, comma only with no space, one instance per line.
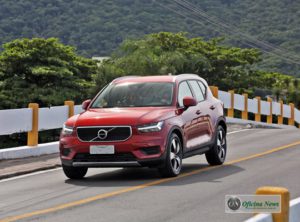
(256,157)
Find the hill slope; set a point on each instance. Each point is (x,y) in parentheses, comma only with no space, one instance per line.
(96,27)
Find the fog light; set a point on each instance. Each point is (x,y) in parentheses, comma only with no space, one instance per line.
(65,151)
(150,150)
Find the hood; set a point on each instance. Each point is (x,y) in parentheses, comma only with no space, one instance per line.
(124,116)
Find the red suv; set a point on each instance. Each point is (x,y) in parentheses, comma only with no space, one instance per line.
(151,121)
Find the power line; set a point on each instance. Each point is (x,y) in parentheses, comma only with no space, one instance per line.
(230,29)
(193,7)
(184,7)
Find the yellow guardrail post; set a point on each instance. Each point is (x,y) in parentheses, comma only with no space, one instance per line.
(215,91)
(283,216)
(33,135)
(258,115)
(71,107)
(270,116)
(280,117)
(230,111)
(292,119)
(245,112)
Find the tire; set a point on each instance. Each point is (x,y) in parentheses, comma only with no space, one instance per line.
(173,161)
(217,154)
(74,172)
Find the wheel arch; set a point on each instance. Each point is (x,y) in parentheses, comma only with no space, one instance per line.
(222,122)
(179,133)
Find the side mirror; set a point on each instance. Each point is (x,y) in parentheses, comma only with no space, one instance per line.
(189,101)
(86,104)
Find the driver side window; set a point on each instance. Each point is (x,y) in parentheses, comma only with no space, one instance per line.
(183,91)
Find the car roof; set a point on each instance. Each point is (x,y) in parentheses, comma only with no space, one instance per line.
(158,78)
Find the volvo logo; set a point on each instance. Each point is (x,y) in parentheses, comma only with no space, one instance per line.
(234,203)
(102,134)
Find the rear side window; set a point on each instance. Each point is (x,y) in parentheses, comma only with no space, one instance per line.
(183,91)
(203,88)
(198,92)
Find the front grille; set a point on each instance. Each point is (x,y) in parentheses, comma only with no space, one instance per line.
(118,157)
(104,133)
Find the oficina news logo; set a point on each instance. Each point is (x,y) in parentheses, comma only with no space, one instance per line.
(252,204)
(234,203)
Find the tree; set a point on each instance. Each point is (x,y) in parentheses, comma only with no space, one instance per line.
(42,71)
(96,29)
(164,52)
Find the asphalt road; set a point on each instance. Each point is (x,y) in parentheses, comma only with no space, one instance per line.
(256,157)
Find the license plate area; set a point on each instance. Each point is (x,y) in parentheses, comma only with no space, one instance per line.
(102,149)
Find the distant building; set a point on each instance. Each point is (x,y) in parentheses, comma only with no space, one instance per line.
(100,58)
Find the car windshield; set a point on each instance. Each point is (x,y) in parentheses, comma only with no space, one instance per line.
(135,95)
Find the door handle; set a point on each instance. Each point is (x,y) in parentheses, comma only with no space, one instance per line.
(198,112)
(212,107)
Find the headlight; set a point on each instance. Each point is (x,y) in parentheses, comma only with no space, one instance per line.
(153,127)
(67,130)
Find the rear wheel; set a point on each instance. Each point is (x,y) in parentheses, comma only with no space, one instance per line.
(173,162)
(217,154)
(74,172)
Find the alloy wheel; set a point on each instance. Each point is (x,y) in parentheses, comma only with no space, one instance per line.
(221,144)
(175,155)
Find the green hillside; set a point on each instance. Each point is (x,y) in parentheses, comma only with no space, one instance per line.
(97,27)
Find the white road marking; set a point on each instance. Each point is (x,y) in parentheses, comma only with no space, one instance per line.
(29,174)
(238,131)
(59,168)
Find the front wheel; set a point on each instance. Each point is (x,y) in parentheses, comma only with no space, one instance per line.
(217,154)
(74,172)
(173,162)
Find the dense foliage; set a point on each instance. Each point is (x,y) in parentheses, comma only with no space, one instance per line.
(97,27)
(42,71)
(223,66)
(165,52)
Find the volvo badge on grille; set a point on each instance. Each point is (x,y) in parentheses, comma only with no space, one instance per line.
(102,134)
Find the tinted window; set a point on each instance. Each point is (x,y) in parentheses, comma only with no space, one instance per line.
(198,92)
(203,88)
(135,95)
(183,91)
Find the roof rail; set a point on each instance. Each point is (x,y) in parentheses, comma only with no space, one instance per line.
(124,77)
(184,74)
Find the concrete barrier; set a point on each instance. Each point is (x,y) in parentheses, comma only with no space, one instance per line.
(290,210)
(257,124)
(29,151)
(295,210)
(261,218)
(294,215)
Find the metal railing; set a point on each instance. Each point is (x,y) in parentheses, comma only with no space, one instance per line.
(34,119)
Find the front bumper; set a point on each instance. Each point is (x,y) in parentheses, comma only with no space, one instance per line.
(147,149)
(114,161)
(106,164)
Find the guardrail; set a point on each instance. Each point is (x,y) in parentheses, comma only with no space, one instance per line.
(34,119)
(258,107)
(290,210)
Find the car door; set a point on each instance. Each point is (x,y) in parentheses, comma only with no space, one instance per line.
(189,117)
(203,125)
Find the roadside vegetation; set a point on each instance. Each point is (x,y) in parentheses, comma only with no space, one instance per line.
(97,28)
(48,72)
